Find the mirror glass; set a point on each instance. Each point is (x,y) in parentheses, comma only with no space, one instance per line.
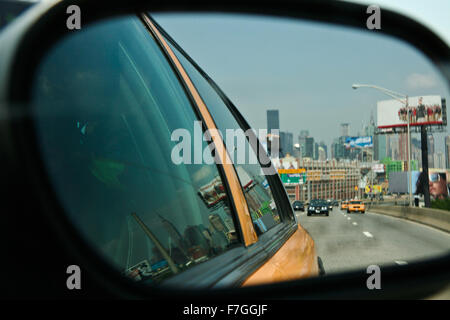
(119,130)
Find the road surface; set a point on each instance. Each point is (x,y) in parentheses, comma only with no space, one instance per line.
(352,241)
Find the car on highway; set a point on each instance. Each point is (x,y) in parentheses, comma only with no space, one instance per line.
(344,204)
(298,205)
(356,206)
(330,205)
(318,206)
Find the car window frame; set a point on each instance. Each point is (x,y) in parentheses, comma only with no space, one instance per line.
(278,191)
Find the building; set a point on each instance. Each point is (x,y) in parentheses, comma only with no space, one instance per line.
(379,144)
(338,150)
(398,165)
(273,120)
(416,151)
(309,148)
(286,143)
(322,154)
(325,148)
(306,145)
(316,151)
(345,129)
(326,180)
(447,152)
(393,150)
(304,133)
(431,151)
(439,160)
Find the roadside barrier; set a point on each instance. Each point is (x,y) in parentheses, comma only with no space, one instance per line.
(439,219)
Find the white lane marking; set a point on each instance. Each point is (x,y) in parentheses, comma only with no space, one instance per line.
(368,234)
(400,263)
(355,224)
(349,218)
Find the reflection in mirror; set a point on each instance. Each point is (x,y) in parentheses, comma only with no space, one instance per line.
(345,141)
(108,102)
(115,112)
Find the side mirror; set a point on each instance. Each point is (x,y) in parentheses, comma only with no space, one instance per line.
(87,134)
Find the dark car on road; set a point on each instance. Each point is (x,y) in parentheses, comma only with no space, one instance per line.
(318,207)
(330,205)
(298,205)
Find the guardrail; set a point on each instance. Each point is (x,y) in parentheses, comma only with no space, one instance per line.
(391,202)
(439,219)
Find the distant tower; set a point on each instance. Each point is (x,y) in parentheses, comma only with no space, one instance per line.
(345,129)
(447,152)
(273,120)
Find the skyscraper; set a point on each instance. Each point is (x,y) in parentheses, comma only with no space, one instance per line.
(379,144)
(322,156)
(306,146)
(447,152)
(416,151)
(345,129)
(325,149)
(316,151)
(286,143)
(439,160)
(338,149)
(431,151)
(273,120)
(304,133)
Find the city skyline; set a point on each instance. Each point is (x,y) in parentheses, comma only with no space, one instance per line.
(396,151)
(284,64)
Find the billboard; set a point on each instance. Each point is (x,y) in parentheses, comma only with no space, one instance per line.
(378,168)
(358,142)
(437,183)
(399,182)
(423,110)
(213,192)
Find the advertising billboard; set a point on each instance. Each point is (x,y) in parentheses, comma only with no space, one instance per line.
(423,110)
(213,192)
(399,182)
(358,142)
(378,168)
(437,183)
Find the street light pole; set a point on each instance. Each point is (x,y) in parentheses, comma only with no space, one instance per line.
(409,154)
(397,96)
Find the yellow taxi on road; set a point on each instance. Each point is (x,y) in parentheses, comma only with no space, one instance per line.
(356,206)
(344,205)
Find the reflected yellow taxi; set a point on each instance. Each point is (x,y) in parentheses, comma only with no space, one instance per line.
(344,205)
(356,206)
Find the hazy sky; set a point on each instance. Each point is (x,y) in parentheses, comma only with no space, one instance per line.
(304,69)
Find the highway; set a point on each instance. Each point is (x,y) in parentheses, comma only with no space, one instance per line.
(352,241)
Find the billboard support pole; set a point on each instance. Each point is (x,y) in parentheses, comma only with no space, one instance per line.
(424,145)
